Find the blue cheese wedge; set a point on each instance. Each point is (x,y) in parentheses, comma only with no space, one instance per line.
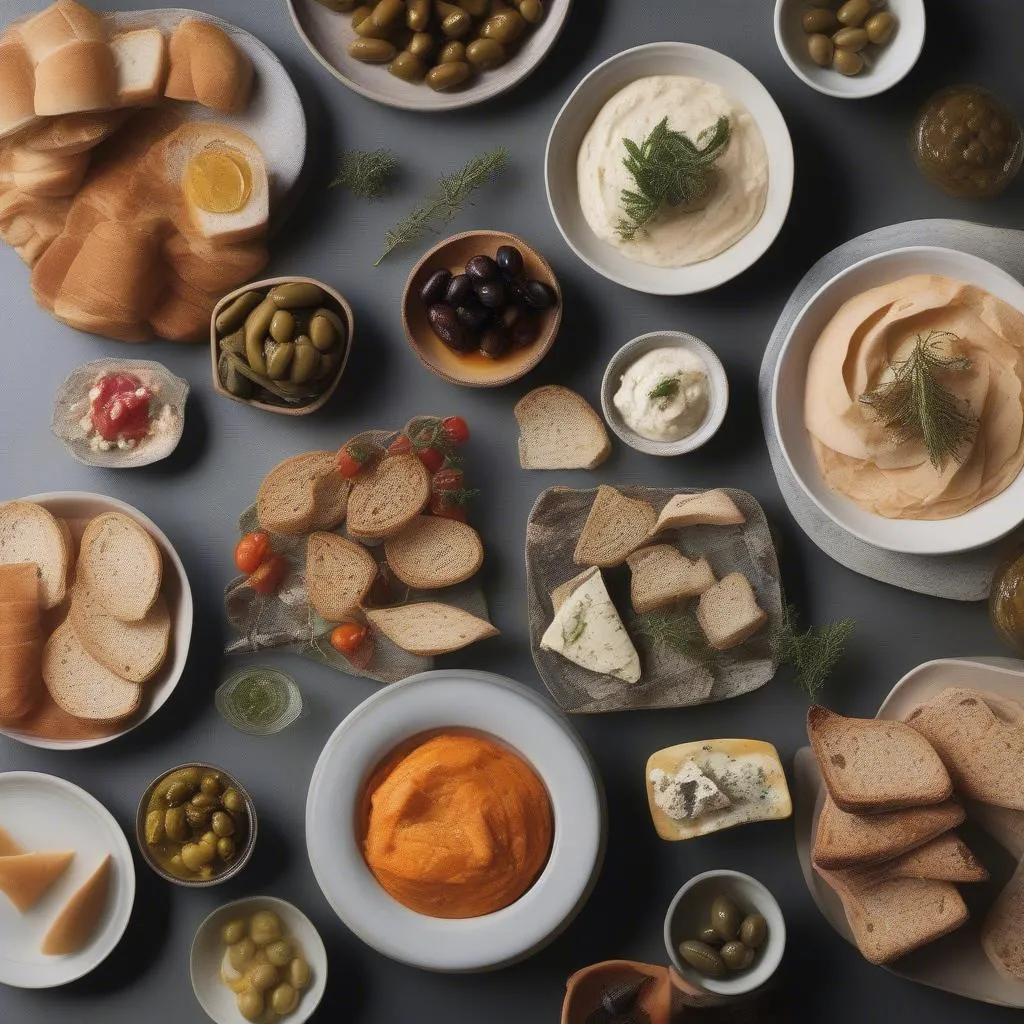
(688,793)
(587,631)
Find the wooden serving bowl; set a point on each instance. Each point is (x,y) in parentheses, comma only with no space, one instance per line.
(341,307)
(474,369)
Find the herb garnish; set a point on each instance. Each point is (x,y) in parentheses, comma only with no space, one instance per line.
(679,630)
(366,173)
(665,390)
(576,626)
(813,653)
(915,406)
(669,168)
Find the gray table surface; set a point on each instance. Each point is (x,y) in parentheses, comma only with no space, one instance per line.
(853,173)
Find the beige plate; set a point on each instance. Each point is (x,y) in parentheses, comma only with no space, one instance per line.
(956,963)
(472,369)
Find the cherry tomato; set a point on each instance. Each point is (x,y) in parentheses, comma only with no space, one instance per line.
(456,429)
(269,574)
(448,479)
(251,550)
(348,637)
(400,445)
(432,458)
(350,460)
(441,507)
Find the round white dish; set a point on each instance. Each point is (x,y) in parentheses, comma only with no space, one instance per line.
(688,913)
(328,34)
(718,391)
(974,529)
(43,812)
(208,951)
(576,117)
(513,714)
(890,63)
(77,507)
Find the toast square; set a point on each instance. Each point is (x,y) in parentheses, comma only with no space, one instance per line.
(728,612)
(616,526)
(387,496)
(660,575)
(946,858)
(286,502)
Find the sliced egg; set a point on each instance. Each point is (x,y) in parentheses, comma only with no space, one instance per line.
(219,179)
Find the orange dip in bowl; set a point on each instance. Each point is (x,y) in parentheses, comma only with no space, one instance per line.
(457,826)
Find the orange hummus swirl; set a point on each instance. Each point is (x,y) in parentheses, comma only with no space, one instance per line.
(457,827)
(858,457)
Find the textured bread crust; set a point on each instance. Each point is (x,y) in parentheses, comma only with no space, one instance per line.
(660,575)
(1002,933)
(208,68)
(286,502)
(559,430)
(871,765)
(947,858)
(339,575)
(433,552)
(728,612)
(77,78)
(17,89)
(122,566)
(616,526)
(562,592)
(29,533)
(430,628)
(708,508)
(330,501)
(387,496)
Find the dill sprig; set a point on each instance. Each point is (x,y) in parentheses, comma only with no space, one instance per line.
(450,194)
(813,653)
(366,173)
(669,168)
(914,405)
(680,631)
(665,390)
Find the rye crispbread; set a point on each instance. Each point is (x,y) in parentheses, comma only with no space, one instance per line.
(287,498)
(728,612)
(660,575)
(706,508)
(433,552)
(616,526)
(339,575)
(559,430)
(386,496)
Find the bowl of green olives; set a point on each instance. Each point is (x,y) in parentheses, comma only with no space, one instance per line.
(281,344)
(850,49)
(725,933)
(196,826)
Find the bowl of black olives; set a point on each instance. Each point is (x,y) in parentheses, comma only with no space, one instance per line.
(481,309)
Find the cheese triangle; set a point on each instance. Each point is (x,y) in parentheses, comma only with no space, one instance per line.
(76,923)
(9,847)
(24,877)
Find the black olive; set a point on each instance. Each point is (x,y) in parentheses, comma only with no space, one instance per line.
(510,259)
(460,288)
(511,314)
(539,295)
(472,315)
(525,331)
(483,268)
(495,341)
(435,287)
(445,323)
(493,294)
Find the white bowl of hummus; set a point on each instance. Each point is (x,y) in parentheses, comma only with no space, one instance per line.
(688,232)
(879,481)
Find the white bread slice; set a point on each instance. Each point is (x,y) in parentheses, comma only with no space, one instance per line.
(660,575)
(80,685)
(30,533)
(729,613)
(387,496)
(25,877)
(339,575)
(707,508)
(140,60)
(17,85)
(121,564)
(207,67)
(430,628)
(616,526)
(286,502)
(54,27)
(946,858)
(76,78)
(77,922)
(433,552)
(559,430)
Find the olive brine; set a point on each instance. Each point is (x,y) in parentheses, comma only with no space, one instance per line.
(729,942)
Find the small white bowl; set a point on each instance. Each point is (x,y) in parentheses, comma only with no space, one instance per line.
(718,387)
(207,953)
(889,64)
(576,117)
(689,911)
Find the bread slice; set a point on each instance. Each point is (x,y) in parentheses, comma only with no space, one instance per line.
(140,60)
(330,501)
(947,858)
(17,86)
(9,846)
(432,552)
(387,496)
(20,687)
(77,922)
(19,584)
(871,765)
(80,685)
(616,526)
(208,68)
(339,575)
(430,628)
(1004,825)
(660,575)
(73,133)
(852,840)
(63,22)
(563,591)
(25,877)
(559,430)
(121,564)
(707,508)
(1002,934)
(286,502)
(30,533)
(984,754)
(78,77)
(728,612)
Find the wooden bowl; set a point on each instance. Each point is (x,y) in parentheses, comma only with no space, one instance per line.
(342,308)
(473,369)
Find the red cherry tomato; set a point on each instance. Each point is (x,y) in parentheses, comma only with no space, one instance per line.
(448,479)
(349,637)
(400,445)
(441,507)
(269,574)
(456,429)
(350,461)
(251,550)
(431,458)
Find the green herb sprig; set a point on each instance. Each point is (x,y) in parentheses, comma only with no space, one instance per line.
(680,631)
(813,653)
(665,390)
(366,173)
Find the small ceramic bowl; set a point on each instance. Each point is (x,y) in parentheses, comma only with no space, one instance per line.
(690,910)
(207,953)
(242,856)
(341,307)
(887,64)
(473,369)
(718,392)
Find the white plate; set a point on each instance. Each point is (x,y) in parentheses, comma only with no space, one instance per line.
(956,963)
(78,507)
(328,34)
(974,529)
(207,953)
(515,715)
(576,117)
(42,812)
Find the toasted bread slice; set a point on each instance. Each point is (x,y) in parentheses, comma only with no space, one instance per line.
(616,526)
(430,628)
(660,575)
(330,501)
(25,877)
(946,858)
(120,563)
(433,552)
(707,508)
(559,430)
(286,502)
(1004,825)
(77,922)
(1002,934)
(728,612)
(562,592)
(339,574)
(387,496)
(30,533)
(871,765)
(19,582)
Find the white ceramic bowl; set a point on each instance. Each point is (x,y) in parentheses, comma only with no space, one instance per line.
(576,117)
(974,529)
(485,703)
(889,64)
(328,34)
(208,952)
(689,911)
(718,392)
(77,507)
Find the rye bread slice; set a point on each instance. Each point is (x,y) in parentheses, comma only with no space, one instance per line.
(30,533)
(339,575)
(121,564)
(559,430)
(287,500)
(707,508)
(616,526)
(946,858)
(660,575)
(433,552)
(1002,932)
(330,501)
(728,612)
(430,628)
(871,765)
(387,496)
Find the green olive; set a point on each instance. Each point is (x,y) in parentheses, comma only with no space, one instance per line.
(222,824)
(505,27)
(701,957)
(205,801)
(176,824)
(753,931)
(382,18)
(452,53)
(179,792)
(306,361)
(279,359)
(265,927)
(880,27)
(233,931)
(329,363)
(297,294)
(197,817)
(251,1004)
(854,39)
(233,315)
(196,855)
(478,8)
(178,865)
(257,324)
(821,49)
(485,54)
(422,44)
(155,827)
(284,999)
(708,935)
(737,956)
(455,22)
(417,16)
(263,976)
(282,329)
(853,12)
(820,19)
(279,953)
(447,75)
(372,51)
(360,14)
(211,784)
(226,848)
(326,329)
(846,62)
(299,972)
(241,954)
(725,918)
(531,10)
(408,67)
(233,800)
